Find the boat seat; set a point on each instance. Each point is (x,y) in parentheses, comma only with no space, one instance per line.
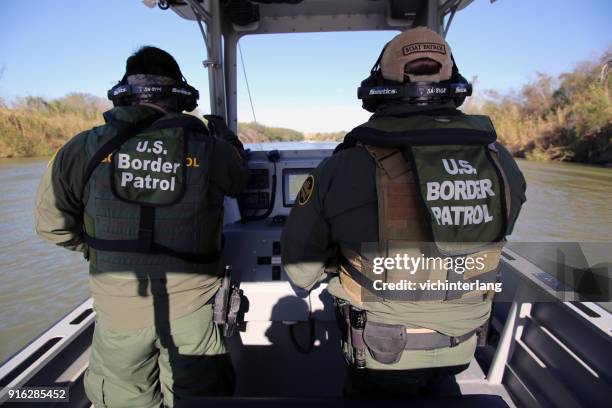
(463,401)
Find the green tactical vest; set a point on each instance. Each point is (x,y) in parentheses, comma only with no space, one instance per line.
(442,201)
(146,202)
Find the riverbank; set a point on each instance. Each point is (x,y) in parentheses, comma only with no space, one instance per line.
(567,118)
(30,133)
(36,127)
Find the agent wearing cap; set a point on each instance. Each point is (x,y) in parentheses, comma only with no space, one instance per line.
(142,197)
(410,214)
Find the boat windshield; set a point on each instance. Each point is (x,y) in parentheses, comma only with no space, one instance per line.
(311,97)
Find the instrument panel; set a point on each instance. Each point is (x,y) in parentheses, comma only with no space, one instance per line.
(254,221)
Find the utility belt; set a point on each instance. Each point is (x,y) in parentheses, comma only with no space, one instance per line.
(386,342)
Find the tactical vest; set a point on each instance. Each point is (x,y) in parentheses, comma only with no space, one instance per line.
(439,201)
(146,204)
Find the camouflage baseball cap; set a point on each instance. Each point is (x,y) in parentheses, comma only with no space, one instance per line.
(413,44)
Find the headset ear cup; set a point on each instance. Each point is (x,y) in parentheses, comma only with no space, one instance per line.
(459,100)
(186,102)
(375,79)
(189,103)
(366,103)
(457,78)
(117,101)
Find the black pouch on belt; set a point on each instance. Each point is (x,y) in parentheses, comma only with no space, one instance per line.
(386,342)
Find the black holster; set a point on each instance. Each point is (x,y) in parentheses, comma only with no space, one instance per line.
(352,323)
(227,304)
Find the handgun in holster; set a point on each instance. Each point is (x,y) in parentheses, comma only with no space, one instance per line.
(358,322)
(355,320)
(227,304)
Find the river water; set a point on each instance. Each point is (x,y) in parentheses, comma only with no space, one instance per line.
(40,282)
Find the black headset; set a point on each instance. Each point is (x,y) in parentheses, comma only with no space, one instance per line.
(185,95)
(376,90)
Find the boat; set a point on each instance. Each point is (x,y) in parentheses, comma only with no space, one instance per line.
(547,344)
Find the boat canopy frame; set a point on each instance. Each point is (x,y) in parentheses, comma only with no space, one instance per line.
(221,35)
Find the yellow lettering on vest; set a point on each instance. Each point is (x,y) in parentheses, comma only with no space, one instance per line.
(107,159)
(192,162)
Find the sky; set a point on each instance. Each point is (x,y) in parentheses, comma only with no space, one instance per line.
(306,82)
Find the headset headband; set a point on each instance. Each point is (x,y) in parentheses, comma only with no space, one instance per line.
(417,90)
(185,95)
(376,90)
(122,91)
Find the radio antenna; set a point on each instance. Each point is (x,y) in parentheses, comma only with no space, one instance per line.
(246,80)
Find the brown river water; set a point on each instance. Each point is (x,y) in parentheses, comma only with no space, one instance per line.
(40,283)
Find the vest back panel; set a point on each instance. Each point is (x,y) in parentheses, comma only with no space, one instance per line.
(167,170)
(444,201)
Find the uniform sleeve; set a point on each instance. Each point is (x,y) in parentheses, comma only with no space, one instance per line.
(229,172)
(58,209)
(518,185)
(305,243)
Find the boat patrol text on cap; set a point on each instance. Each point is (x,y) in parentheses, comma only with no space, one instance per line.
(413,44)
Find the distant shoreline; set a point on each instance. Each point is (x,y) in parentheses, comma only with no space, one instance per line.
(567,118)
(47,150)
(6,160)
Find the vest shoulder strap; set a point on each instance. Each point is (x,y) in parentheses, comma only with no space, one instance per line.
(400,216)
(125,131)
(390,160)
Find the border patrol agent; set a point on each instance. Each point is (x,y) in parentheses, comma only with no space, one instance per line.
(420,181)
(142,197)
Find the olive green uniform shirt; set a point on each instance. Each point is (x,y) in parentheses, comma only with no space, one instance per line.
(119,299)
(343,211)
